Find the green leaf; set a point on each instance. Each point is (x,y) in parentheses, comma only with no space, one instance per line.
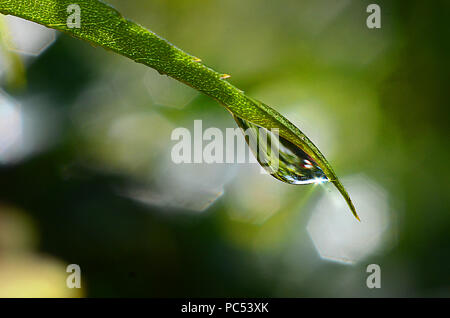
(104,26)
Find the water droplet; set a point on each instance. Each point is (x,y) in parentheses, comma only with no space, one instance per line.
(279,157)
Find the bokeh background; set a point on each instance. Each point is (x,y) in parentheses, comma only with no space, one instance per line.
(86,176)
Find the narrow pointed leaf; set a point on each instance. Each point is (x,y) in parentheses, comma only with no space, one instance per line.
(104,26)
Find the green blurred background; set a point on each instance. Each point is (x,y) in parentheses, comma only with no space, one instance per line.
(86,175)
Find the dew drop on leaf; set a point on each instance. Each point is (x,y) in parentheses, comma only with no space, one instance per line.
(279,157)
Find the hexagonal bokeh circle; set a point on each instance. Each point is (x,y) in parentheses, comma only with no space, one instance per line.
(166,91)
(11,129)
(337,235)
(27,37)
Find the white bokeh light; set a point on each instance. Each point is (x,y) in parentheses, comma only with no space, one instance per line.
(190,187)
(255,196)
(337,235)
(27,37)
(11,129)
(26,127)
(166,91)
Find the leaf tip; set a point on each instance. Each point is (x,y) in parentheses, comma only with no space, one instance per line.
(356,216)
(347,198)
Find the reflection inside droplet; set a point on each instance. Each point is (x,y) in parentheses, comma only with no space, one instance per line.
(279,157)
